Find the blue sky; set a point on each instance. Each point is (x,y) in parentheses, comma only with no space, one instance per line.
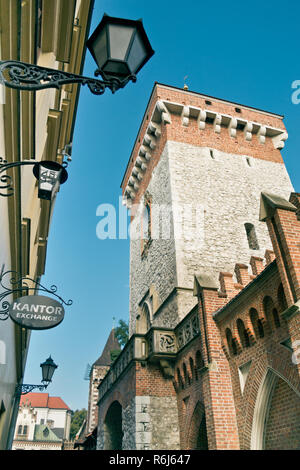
(246,53)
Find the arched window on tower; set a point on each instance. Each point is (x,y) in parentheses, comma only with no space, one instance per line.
(251,236)
(231,343)
(192,368)
(243,334)
(268,307)
(276,318)
(256,323)
(143,321)
(281,299)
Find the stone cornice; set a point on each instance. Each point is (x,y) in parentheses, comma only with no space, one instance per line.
(162,112)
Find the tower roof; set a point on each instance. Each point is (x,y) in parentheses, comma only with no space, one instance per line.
(112,344)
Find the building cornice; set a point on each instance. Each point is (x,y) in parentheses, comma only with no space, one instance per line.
(164,109)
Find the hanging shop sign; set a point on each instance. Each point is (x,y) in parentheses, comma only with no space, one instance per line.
(36,312)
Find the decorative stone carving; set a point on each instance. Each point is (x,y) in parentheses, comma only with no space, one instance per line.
(185,116)
(167,369)
(167,343)
(201,119)
(217,123)
(149,141)
(187,330)
(248,131)
(154,128)
(279,140)
(232,127)
(262,134)
(165,116)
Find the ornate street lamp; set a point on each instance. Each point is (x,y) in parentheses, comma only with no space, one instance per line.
(48,369)
(120,49)
(119,46)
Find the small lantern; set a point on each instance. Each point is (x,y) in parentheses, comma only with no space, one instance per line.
(50,176)
(120,47)
(48,368)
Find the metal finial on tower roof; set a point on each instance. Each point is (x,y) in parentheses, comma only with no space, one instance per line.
(185,87)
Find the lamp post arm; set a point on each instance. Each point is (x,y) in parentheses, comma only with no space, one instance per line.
(23,76)
(6,180)
(5,166)
(23,389)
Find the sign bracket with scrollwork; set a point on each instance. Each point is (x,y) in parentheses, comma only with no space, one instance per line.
(12,283)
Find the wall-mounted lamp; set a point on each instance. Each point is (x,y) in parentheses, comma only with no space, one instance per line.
(49,174)
(120,48)
(48,369)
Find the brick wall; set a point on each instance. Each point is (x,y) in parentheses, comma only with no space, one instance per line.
(283,424)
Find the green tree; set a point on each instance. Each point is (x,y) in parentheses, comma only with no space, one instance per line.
(77,419)
(122,332)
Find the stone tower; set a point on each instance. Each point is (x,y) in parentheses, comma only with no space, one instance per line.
(204,284)
(97,374)
(193,183)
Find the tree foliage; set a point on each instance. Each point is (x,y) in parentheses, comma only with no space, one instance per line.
(114,353)
(122,332)
(77,419)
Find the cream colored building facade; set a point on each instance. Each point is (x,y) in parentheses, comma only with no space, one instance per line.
(39,125)
(43,423)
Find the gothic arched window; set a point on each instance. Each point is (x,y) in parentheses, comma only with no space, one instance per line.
(256,323)
(243,334)
(144,322)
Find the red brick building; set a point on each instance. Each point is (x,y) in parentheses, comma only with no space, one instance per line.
(213,358)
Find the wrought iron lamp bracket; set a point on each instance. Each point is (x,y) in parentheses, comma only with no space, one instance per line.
(23,389)
(6,180)
(11,283)
(23,76)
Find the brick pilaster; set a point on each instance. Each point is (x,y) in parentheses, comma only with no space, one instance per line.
(222,431)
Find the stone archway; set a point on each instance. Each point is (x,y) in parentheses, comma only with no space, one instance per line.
(276,420)
(113,432)
(197,437)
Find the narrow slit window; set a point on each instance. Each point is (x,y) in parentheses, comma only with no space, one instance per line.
(146,228)
(251,237)
(147,222)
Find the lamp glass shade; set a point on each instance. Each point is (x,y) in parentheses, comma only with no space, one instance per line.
(119,40)
(137,53)
(48,368)
(50,175)
(99,48)
(119,47)
(49,180)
